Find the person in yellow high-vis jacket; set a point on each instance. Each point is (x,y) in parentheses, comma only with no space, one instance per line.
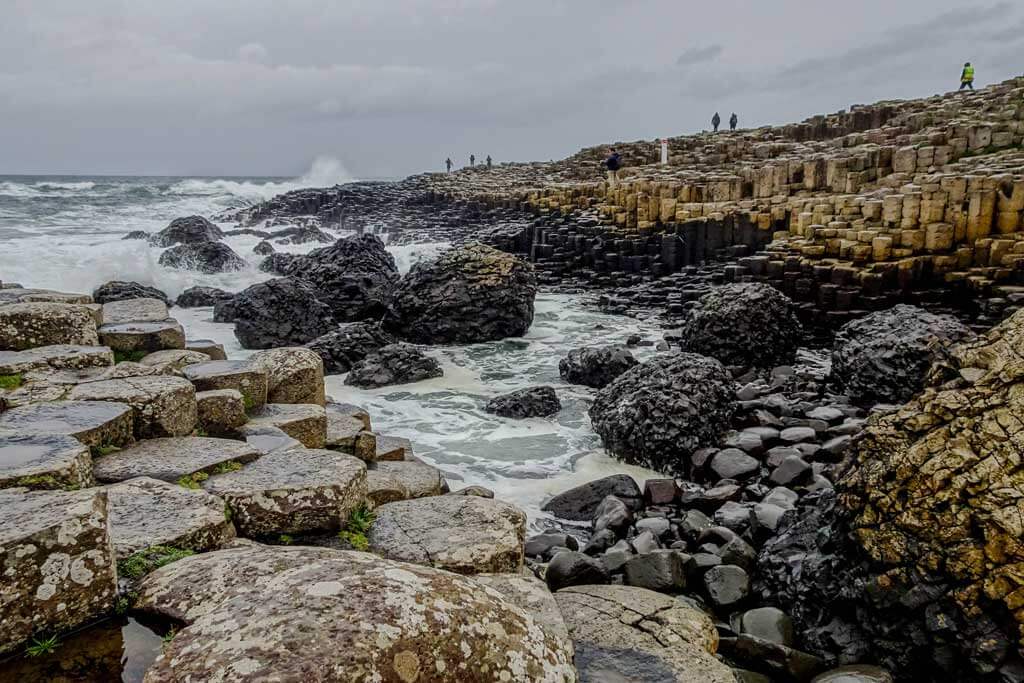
(967,77)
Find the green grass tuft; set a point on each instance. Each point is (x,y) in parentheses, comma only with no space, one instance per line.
(229,466)
(104,449)
(150,559)
(192,481)
(11,382)
(285,539)
(42,646)
(359,522)
(129,356)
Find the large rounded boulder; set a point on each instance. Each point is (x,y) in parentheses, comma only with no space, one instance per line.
(918,562)
(595,366)
(468,295)
(205,257)
(349,344)
(195,297)
(354,276)
(656,414)
(281,312)
(187,230)
(302,613)
(743,324)
(883,357)
(118,290)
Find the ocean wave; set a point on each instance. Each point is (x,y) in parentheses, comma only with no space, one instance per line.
(324,172)
(52,185)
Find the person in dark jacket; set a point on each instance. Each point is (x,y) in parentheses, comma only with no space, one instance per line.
(472,160)
(613,163)
(448,164)
(488,161)
(733,121)
(716,121)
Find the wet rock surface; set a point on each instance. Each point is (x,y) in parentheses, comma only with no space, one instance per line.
(461,534)
(94,423)
(471,294)
(196,297)
(281,312)
(44,461)
(205,257)
(743,324)
(172,459)
(117,290)
(393,364)
(187,230)
(658,413)
(530,402)
(884,357)
(349,344)
(162,405)
(371,617)
(143,336)
(595,367)
(579,503)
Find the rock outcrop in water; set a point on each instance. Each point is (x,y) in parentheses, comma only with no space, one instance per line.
(743,324)
(884,356)
(468,295)
(595,366)
(393,364)
(280,312)
(349,344)
(206,257)
(117,290)
(659,412)
(188,230)
(529,402)
(195,297)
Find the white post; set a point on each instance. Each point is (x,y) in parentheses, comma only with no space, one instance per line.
(664,151)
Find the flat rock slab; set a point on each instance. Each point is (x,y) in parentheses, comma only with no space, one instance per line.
(295,491)
(172,459)
(220,411)
(419,478)
(135,311)
(342,431)
(146,512)
(29,325)
(163,405)
(231,374)
(623,633)
(306,423)
(57,562)
(526,591)
(384,487)
(461,534)
(44,461)
(207,347)
(175,358)
(94,423)
(143,336)
(292,610)
(270,439)
(349,410)
(15,295)
(294,374)
(57,357)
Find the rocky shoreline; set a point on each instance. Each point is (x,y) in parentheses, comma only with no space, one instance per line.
(835,408)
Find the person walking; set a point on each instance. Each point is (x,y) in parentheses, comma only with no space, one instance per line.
(488,161)
(716,121)
(448,164)
(967,77)
(613,163)
(733,120)
(472,160)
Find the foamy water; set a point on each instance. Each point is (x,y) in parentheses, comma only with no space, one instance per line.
(65,233)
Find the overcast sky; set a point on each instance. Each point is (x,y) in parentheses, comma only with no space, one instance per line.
(391,87)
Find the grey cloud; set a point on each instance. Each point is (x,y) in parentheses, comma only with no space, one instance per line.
(696,55)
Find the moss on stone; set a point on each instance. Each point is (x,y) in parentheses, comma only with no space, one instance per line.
(129,356)
(193,481)
(143,562)
(359,522)
(229,466)
(44,482)
(11,382)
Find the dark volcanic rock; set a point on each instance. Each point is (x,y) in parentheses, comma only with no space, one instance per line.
(281,312)
(530,402)
(349,344)
(883,357)
(117,290)
(224,311)
(578,504)
(136,235)
(187,230)
(281,263)
(472,294)
(196,297)
(742,324)
(595,366)
(570,568)
(264,249)
(354,276)
(302,234)
(658,413)
(206,257)
(393,364)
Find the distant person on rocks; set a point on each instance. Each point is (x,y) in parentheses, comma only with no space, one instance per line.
(488,161)
(733,121)
(716,121)
(472,160)
(448,163)
(967,77)
(613,163)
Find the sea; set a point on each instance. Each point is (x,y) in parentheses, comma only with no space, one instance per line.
(65,233)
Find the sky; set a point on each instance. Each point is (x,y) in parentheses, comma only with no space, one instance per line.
(393,87)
